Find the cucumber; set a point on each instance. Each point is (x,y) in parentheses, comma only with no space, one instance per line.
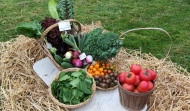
(66,65)
(58,59)
(66,60)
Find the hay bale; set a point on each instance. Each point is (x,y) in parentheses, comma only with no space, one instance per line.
(172,90)
(21,89)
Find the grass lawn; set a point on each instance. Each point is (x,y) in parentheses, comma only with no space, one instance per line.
(117,16)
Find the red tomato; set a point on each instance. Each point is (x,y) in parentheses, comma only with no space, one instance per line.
(137,81)
(122,77)
(150,84)
(145,75)
(130,77)
(154,75)
(128,87)
(136,90)
(143,86)
(135,69)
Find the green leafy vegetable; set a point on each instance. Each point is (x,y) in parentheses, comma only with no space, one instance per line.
(67,95)
(31,29)
(75,82)
(65,9)
(88,82)
(65,77)
(72,87)
(76,74)
(82,41)
(84,88)
(71,41)
(102,46)
(52,5)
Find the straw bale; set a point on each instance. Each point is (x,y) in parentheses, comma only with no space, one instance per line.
(21,89)
(172,90)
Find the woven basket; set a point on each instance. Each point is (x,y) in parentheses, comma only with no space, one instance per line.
(97,87)
(93,88)
(137,101)
(75,30)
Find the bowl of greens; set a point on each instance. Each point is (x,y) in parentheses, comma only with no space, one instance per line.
(72,88)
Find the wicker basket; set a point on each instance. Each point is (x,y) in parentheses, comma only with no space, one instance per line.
(137,101)
(93,88)
(74,31)
(97,87)
(133,101)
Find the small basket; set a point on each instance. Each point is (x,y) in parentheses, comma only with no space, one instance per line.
(93,88)
(137,101)
(133,101)
(97,87)
(75,30)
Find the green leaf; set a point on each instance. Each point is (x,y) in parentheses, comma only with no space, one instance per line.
(61,74)
(65,77)
(30,29)
(61,8)
(86,97)
(67,95)
(88,82)
(77,93)
(82,71)
(75,100)
(76,74)
(52,5)
(75,82)
(83,87)
(54,87)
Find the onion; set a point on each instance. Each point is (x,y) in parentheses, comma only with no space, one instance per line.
(89,59)
(77,62)
(75,54)
(68,55)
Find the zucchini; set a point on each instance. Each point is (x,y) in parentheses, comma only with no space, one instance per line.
(66,65)
(58,59)
(66,60)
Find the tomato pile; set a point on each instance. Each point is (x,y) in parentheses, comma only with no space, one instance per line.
(104,74)
(138,80)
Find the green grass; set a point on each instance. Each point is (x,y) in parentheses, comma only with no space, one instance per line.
(117,16)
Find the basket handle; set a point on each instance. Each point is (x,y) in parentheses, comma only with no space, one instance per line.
(55,25)
(151,29)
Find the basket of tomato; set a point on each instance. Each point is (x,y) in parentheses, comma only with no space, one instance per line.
(135,87)
(104,74)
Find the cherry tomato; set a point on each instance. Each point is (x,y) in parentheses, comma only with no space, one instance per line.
(130,77)
(128,87)
(107,65)
(143,86)
(136,69)
(137,81)
(122,77)
(145,75)
(105,70)
(109,71)
(153,73)
(136,90)
(151,85)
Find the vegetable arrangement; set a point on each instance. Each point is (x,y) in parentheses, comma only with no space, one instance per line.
(138,80)
(72,87)
(71,58)
(104,74)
